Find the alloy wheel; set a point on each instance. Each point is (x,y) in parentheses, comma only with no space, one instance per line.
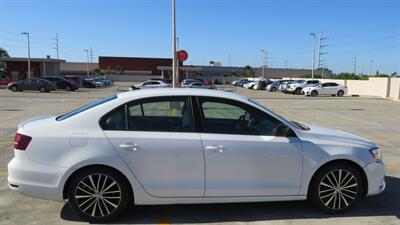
(98,195)
(338,189)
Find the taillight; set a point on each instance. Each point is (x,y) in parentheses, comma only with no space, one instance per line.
(21,141)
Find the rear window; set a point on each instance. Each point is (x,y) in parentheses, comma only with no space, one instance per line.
(86,107)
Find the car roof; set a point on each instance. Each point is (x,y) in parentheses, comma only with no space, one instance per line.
(159,92)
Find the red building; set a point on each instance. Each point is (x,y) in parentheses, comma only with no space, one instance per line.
(134,65)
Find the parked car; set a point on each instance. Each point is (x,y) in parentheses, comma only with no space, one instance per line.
(261,84)
(62,83)
(274,86)
(184,146)
(96,83)
(328,88)
(284,85)
(237,82)
(4,82)
(151,84)
(104,81)
(74,79)
(296,87)
(89,83)
(189,81)
(242,82)
(35,84)
(198,85)
(251,84)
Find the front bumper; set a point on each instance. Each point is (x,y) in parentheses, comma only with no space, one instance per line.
(375,173)
(35,179)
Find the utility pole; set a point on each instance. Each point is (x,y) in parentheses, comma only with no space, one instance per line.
(370,65)
(56,45)
(263,62)
(355,64)
(177,60)
(313,56)
(29,55)
(321,45)
(285,63)
(87,62)
(229,59)
(91,54)
(173,43)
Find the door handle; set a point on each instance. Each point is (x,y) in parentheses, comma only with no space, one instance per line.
(215,148)
(129,146)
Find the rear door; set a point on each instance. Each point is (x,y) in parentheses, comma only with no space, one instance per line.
(156,138)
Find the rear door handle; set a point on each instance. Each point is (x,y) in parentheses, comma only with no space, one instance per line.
(215,148)
(129,146)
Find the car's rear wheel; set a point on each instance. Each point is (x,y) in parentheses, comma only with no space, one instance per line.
(273,89)
(336,188)
(297,91)
(43,89)
(14,88)
(314,94)
(98,194)
(68,88)
(340,93)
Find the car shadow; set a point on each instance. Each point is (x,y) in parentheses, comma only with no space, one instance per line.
(385,204)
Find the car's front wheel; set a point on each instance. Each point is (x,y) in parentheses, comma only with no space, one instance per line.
(340,93)
(336,188)
(14,88)
(43,89)
(314,94)
(98,194)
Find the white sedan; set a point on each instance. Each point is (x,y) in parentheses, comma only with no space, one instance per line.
(328,88)
(151,84)
(184,146)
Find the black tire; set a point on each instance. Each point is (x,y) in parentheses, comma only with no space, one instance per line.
(338,199)
(14,88)
(273,89)
(340,93)
(118,194)
(314,93)
(297,91)
(68,88)
(43,89)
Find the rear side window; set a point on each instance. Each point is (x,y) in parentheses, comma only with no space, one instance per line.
(168,114)
(114,120)
(86,107)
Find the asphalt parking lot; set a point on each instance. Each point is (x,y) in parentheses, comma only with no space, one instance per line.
(372,118)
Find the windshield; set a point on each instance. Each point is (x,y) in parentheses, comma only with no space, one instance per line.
(86,107)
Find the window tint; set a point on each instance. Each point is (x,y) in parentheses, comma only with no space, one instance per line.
(86,107)
(170,114)
(325,85)
(232,117)
(114,120)
(334,84)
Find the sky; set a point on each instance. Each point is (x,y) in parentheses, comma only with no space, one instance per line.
(232,32)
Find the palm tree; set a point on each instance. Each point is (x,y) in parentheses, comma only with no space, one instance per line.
(4,53)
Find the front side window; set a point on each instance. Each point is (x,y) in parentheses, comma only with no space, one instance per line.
(232,117)
(167,114)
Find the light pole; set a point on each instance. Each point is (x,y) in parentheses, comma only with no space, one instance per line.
(87,61)
(263,59)
(29,54)
(177,61)
(370,64)
(173,44)
(313,56)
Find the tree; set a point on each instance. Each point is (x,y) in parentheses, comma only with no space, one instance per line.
(247,71)
(4,53)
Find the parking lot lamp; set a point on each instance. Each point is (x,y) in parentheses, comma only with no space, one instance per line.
(313,56)
(29,55)
(263,60)
(87,61)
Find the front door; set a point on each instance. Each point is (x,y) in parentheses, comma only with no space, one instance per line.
(160,146)
(243,154)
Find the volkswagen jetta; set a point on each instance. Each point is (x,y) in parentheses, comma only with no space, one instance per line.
(181,146)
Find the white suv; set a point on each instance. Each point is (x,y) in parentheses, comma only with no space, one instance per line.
(297,87)
(328,88)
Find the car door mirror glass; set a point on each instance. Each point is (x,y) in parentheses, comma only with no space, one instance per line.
(283,131)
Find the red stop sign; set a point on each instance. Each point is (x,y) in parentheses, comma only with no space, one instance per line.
(182,55)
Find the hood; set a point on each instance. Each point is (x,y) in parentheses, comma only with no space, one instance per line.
(339,136)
